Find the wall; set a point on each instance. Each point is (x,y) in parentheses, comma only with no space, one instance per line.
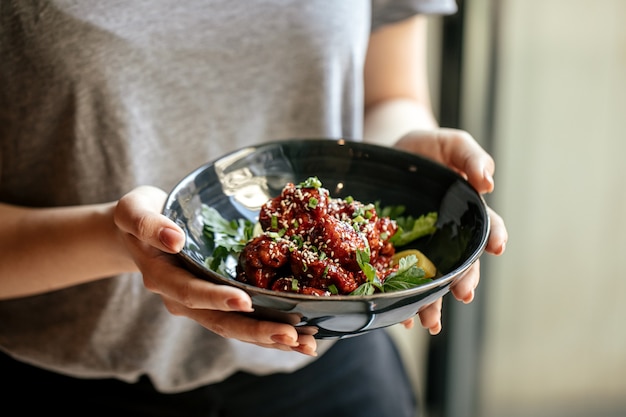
(555,303)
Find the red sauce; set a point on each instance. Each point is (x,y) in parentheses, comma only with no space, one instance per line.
(310,243)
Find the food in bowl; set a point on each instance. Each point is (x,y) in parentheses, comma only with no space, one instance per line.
(308,242)
(236,185)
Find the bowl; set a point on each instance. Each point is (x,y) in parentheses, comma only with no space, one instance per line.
(239,183)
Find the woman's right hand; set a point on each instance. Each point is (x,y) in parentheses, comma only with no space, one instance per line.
(152,239)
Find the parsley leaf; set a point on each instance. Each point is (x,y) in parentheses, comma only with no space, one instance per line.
(408,275)
(410,228)
(363,259)
(367,288)
(372,282)
(224,237)
(393,212)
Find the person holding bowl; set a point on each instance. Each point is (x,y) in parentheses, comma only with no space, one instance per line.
(104,106)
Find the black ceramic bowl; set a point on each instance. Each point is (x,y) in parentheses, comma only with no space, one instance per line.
(237,185)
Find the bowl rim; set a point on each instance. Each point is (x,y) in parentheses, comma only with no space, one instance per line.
(446,279)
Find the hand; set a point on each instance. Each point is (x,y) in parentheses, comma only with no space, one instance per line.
(459,151)
(151,239)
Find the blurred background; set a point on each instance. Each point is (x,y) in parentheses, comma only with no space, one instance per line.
(542,85)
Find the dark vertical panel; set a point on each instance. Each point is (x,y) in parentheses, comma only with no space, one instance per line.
(451,67)
(492,73)
(437,369)
(451,388)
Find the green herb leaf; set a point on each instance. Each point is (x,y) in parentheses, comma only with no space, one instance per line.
(367,288)
(224,237)
(393,212)
(410,228)
(408,275)
(372,282)
(215,262)
(363,259)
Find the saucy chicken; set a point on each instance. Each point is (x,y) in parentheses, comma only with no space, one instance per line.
(311,243)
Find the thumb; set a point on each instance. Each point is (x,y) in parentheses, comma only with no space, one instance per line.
(138,213)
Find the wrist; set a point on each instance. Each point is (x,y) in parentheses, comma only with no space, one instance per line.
(115,250)
(390,120)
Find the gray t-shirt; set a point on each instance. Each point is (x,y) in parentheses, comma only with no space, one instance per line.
(99,97)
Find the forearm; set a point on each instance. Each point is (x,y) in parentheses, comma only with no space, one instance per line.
(397,96)
(388,121)
(47,249)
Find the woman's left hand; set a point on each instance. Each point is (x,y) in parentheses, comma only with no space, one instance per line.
(459,151)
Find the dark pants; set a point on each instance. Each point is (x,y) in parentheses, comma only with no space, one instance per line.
(361,376)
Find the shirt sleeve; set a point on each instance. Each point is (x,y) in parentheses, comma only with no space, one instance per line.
(391,11)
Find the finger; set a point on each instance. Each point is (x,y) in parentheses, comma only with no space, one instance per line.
(163,275)
(306,345)
(461,152)
(464,288)
(304,348)
(248,329)
(430,317)
(139,214)
(408,324)
(498,235)
(456,149)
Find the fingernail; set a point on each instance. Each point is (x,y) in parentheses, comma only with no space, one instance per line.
(436,330)
(304,349)
(468,299)
(238,304)
(284,339)
(489,179)
(172,239)
(502,249)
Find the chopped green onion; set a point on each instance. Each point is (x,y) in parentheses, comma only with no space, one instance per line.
(311,182)
(298,240)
